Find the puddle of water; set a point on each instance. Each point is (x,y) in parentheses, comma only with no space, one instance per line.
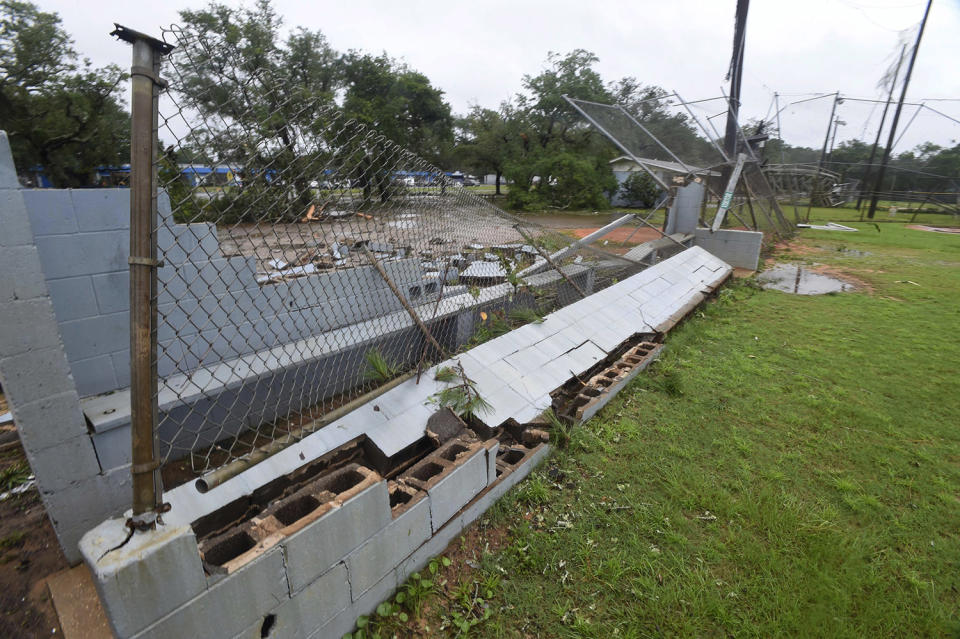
(792,278)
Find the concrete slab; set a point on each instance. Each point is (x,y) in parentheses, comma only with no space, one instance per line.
(77,604)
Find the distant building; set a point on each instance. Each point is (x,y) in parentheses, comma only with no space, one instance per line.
(624,165)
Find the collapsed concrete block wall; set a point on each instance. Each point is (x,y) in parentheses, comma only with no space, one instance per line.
(64,338)
(329,564)
(312,560)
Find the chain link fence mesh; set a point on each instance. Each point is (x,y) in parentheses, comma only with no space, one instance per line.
(298,250)
(691,156)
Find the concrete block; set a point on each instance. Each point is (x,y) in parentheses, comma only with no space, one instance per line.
(458,487)
(94,375)
(51,211)
(229,606)
(434,546)
(8,172)
(64,463)
(27,325)
(121,367)
(84,253)
(50,420)
(113,447)
(32,376)
(146,578)
(112,291)
(370,562)
(317,547)
(22,274)
(485,500)
(101,209)
(493,447)
(299,616)
(346,620)
(84,504)
(92,336)
(73,298)
(13,219)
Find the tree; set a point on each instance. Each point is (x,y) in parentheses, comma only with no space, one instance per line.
(60,112)
(639,190)
(399,103)
(650,106)
(487,140)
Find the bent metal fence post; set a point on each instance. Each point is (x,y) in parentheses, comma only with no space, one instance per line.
(146,83)
(290,263)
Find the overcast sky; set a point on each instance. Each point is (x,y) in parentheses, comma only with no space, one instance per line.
(478,52)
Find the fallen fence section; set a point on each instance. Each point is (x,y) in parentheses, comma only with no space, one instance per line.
(318,534)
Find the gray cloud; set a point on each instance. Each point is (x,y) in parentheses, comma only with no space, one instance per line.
(478,52)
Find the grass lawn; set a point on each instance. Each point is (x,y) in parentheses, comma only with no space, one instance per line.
(791,467)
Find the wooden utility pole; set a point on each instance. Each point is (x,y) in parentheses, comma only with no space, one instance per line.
(883,119)
(896,115)
(736,76)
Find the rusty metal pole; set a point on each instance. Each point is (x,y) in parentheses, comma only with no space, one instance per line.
(146,83)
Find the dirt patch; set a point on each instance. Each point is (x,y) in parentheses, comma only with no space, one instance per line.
(29,552)
(629,234)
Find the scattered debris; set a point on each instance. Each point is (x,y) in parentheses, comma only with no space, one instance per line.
(19,490)
(933,229)
(829,226)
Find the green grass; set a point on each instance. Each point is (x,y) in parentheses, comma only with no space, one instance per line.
(790,468)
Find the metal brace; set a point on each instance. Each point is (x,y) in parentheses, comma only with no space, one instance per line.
(145,468)
(145,261)
(148,73)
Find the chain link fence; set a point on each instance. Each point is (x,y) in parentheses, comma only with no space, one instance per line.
(668,147)
(305,260)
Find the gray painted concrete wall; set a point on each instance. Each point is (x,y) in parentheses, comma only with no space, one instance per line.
(737,248)
(38,383)
(211,306)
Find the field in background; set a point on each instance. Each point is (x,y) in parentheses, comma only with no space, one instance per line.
(790,467)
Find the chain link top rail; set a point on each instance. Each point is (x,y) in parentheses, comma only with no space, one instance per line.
(298,247)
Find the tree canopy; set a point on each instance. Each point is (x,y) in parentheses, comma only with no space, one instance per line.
(60,112)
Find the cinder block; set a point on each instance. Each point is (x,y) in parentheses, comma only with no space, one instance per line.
(112,291)
(458,487)
(321,544)
(371,561)
(22,274)
(92,336)
(63,464)
(121,366)
(73,298)
(485,500)
(346,620)
(8,172)
(433,547)
(50,420)
(84,504)
(147,577)
(32,376)
(83,253)
(94,375)
(27,325)
(51,211)
(493,447)
(229,606)
(114,447)
(101,209)
(303,614)
(13,218)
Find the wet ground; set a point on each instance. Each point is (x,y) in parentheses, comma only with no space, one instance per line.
(801,280)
